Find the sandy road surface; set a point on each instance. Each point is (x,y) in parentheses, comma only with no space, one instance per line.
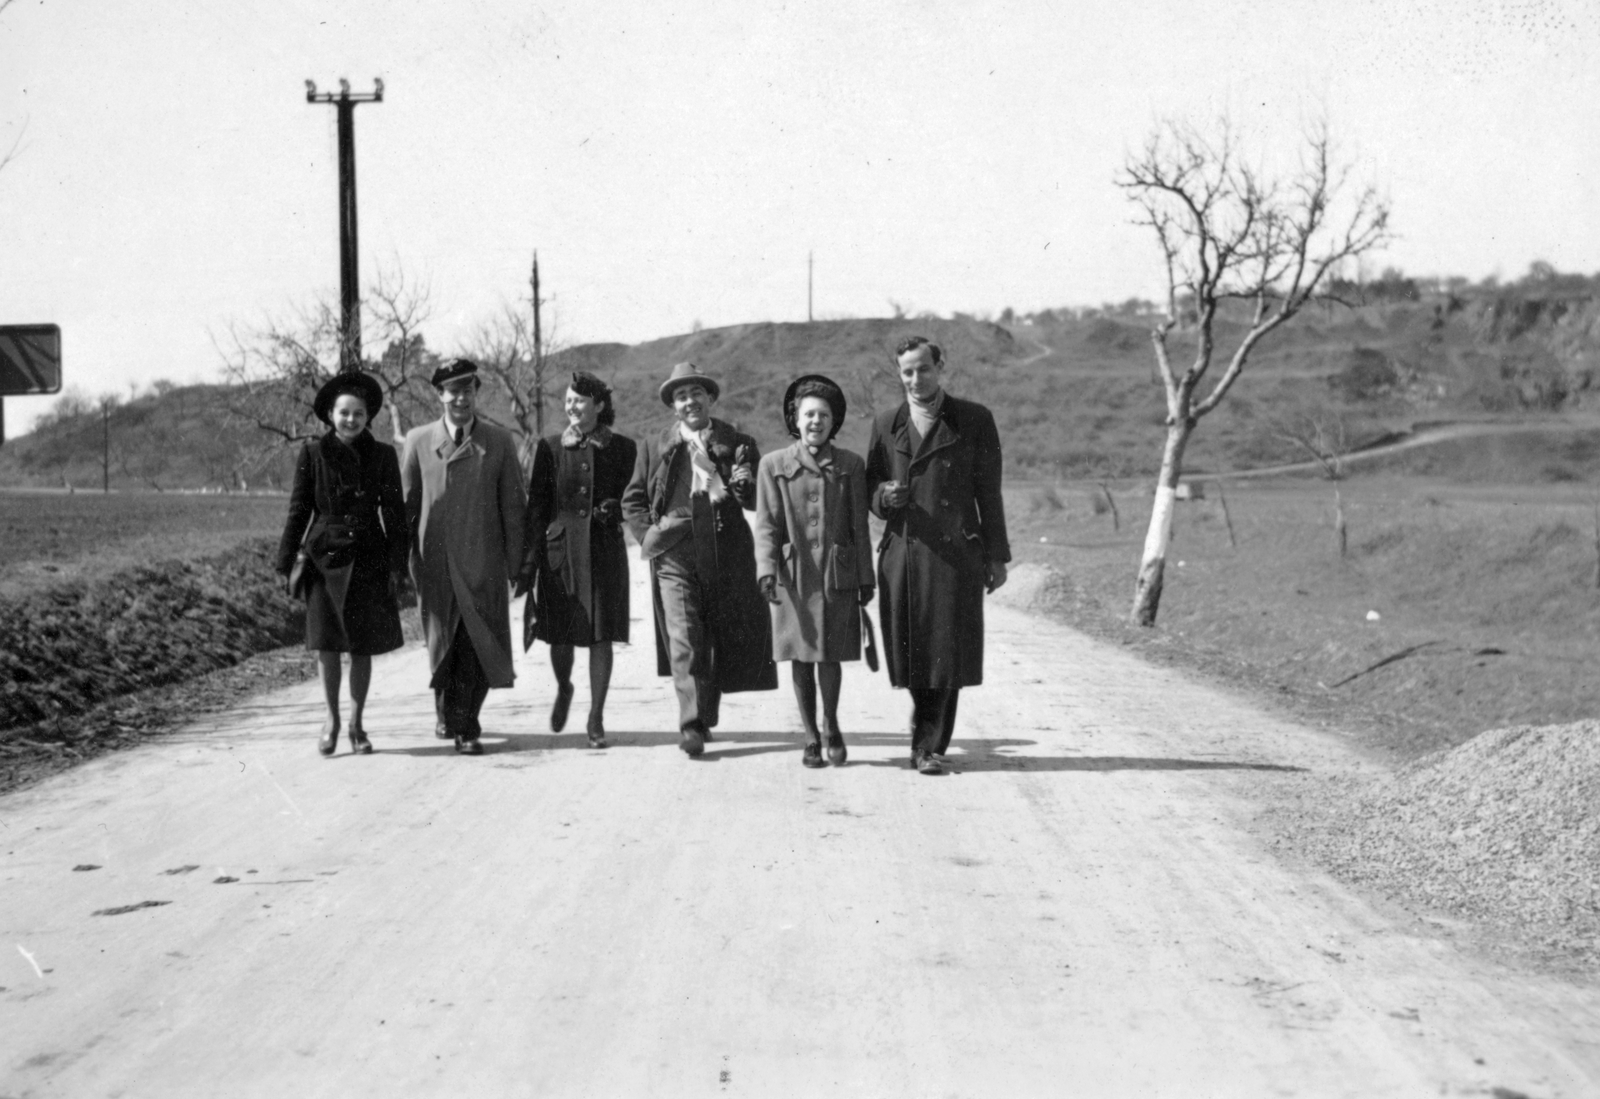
(1080,911)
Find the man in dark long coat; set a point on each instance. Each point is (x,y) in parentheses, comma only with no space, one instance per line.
(465,500)
(933,475)
(683,503)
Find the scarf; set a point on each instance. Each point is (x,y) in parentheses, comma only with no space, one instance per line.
(926,415)
(573,439)
(707,481)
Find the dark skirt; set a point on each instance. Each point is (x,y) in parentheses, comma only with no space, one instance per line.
(370,622)
(562,618)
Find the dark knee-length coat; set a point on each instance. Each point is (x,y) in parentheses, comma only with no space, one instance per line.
(738,623)
(574,542)
(346,504)
(933,558)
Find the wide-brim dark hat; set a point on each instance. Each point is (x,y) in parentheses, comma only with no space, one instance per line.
(361,384)
(688,372)
(834,396)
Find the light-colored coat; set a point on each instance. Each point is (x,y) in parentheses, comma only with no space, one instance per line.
(466,506)
(812,535)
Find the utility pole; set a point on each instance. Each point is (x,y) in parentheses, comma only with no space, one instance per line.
(349,277)
(538,352)
(809,260)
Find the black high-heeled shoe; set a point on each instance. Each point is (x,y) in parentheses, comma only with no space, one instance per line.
(359,744)
(836,749)
(597,732)
(330,740)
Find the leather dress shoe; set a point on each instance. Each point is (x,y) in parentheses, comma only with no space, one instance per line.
(558,712)
(359,744)
(440,731)
(812,755)
(468,747)
(928,764)
(693,742)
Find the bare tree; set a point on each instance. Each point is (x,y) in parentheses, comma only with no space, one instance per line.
(1320,432)
(514,353)
(1228,231)
(274,370)
(398,305)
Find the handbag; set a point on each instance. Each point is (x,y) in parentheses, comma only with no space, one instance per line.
(303,570)
(869,642)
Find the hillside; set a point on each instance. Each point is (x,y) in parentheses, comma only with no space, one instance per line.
(1073,398)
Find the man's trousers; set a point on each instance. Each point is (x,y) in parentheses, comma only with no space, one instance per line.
(686,607)
(459,687)
(933,718)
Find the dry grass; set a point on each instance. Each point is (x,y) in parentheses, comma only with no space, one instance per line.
(1492,590)
(47,538)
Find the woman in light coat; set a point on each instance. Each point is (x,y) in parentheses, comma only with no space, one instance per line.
(814,555)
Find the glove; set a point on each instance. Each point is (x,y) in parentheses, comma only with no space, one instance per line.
(608,513)
(864,594)
(769,588)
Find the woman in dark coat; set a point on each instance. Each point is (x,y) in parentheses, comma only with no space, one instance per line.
(575,559)
(347,517)
(814,555)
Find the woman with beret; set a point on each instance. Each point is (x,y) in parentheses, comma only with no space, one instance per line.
(575,559)
(814,555)
(347,520)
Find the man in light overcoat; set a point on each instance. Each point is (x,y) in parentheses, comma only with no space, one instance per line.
(691,485)
(465,500)
(933,475)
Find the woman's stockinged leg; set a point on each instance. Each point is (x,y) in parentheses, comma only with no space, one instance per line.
(561,661)
(360,680)
(600,656)
(829,678)
(328,662)
(805,695)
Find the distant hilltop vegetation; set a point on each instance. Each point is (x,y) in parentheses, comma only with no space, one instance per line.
(1073,390)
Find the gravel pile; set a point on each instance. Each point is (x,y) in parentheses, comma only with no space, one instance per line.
(1503,829)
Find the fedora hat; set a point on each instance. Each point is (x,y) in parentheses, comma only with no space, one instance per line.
(833,395)
(685,373)
(355,382)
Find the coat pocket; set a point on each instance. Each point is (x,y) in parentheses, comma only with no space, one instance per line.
(841,569)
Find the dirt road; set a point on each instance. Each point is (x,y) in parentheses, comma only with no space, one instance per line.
(1080,910)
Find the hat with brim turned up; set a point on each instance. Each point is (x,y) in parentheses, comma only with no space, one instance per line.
(830,392)
(355,382)
(688,374)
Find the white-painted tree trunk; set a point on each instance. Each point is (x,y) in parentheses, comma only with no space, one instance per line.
(1153,565)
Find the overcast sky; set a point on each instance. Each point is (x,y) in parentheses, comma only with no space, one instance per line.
(675,162)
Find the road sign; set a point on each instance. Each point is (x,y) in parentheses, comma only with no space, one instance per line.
(30,359)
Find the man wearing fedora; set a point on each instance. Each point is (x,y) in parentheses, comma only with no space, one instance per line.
(464,497)
(933,476)
(685,503)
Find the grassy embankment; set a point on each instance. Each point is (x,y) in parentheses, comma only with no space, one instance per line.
(1487,606)
(124,615)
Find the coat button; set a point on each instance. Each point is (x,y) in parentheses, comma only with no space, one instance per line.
(585,511)
(583,465)
(944,503)
(813,497)
(583,490)
(813,520)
